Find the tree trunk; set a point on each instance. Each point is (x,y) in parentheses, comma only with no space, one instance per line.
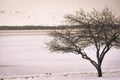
(99,70)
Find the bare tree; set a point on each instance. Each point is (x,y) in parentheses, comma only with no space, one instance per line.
(100,29)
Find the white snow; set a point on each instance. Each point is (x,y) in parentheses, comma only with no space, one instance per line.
(20,52)
(107,75)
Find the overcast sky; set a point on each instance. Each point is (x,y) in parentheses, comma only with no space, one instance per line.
(47,12)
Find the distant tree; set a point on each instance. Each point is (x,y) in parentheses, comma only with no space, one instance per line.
(100,29)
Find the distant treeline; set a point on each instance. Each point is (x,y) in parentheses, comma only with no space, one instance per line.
(37,27)
(44,27)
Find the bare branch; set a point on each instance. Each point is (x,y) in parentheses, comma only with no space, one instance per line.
(100,29)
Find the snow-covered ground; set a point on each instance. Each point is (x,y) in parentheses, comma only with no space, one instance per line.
(19,54)
(107,75)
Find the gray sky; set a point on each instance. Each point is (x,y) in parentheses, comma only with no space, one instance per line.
(47,12)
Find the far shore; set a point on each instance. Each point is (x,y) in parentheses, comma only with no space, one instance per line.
(29,32)
(25,32)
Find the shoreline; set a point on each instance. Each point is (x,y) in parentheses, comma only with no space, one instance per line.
(25,32)
(30,32)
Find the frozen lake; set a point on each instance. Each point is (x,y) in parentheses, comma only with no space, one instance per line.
(27,54)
